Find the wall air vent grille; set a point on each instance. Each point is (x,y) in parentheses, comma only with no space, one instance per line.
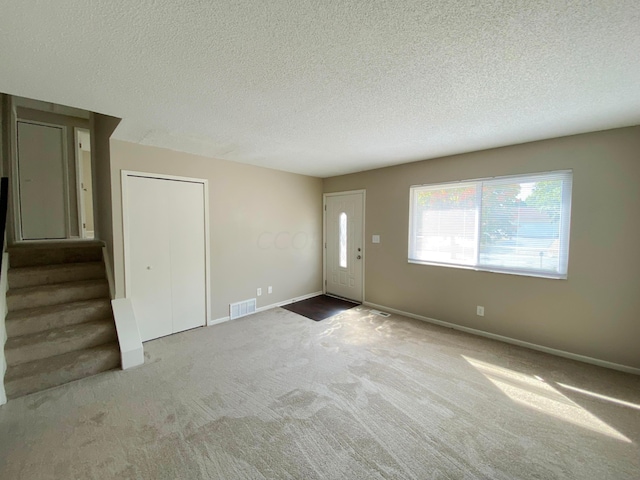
(241,309)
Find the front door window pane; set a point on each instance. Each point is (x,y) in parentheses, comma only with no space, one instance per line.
(342,233)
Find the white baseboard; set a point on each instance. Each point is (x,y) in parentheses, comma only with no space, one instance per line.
(287,302)
(217,321)
(220,320)
(513,341)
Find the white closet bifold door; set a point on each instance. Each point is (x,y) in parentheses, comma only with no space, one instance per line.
(186,211)
(150,267)
(166,242)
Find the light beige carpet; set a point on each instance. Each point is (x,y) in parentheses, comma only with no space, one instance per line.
(357,396)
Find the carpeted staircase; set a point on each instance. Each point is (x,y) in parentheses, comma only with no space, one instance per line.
(59,324)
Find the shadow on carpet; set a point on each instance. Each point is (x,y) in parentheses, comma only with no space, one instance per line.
(320,307)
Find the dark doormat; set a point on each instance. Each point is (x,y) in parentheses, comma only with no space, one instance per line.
(320,307)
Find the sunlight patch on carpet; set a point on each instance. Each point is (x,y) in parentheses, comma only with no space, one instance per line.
(535,393)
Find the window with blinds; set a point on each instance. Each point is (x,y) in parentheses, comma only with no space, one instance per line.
(518,224)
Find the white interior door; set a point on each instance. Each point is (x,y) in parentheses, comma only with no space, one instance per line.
(166,255)
(41,173)
(344,254)
(149,273)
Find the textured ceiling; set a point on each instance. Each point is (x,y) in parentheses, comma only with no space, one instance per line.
(325,87)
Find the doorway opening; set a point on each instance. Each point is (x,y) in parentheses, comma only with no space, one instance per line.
(84,182)
(50,170)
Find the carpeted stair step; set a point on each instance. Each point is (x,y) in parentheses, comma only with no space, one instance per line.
(55,253)
(33,320)
(56,294)
(50,372)
(48,274)
(58,341)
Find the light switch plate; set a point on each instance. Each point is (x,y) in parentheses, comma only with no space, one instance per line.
(375,239)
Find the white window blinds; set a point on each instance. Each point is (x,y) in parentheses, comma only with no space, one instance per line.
(514,224)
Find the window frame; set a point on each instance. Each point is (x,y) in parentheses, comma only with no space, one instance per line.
(565,224)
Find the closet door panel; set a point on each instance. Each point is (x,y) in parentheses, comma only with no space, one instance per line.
(149,261)
(187,247)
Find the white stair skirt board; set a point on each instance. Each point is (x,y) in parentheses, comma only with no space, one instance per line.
(267,307)
(512,341)
(3,332)
(131,350)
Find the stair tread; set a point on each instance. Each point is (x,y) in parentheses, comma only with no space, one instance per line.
(55,245)
(31,276)
(18,315)
(51,364)
(55,286)
(53,267)
(61,334)
(51,372)
(54,253)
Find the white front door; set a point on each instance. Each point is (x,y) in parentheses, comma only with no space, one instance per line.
(344,253)
(165,249)
(41,173)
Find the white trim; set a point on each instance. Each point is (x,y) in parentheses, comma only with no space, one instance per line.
(13,170)
(287,302)
(363,192)
(217,321)
(82,210)
(79,202)
(512,341)
(220,320)
(324,243)
(346,192)
(207,234)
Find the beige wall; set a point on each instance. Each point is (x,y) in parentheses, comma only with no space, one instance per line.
(595,312)
(102,126)
(266,225)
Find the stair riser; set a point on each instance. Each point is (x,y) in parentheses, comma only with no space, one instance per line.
(90,364)
(47,321)
(56,297)
(53,345)
(19,279)
(51,256)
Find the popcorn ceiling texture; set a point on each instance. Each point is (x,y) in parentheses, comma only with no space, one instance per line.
(330,87)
